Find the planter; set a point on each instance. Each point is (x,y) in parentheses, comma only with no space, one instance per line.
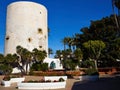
(89,78)
(52,78)
(46,85)
(12,80)
(17,80)
(6,83)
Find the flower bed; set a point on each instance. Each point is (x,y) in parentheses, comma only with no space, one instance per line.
(7,83)
(50,82)
(42,85)
(52,78)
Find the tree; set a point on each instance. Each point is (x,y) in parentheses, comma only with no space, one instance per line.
(94,48)
(78,54)
(50,51)
(104,30)
(25,58)
(7,63)
(39,55)
(1,58)
(67,41)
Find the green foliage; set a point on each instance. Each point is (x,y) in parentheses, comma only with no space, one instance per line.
(99,41)
(69,64)
(61,80)
(50,51)
(1,58)
(94,48)
(44,66)
(26,57)
(104,30)
(6,78)
(91,71)
(88,64)
(39,55)
(78,54)
(6,69)
(39,67)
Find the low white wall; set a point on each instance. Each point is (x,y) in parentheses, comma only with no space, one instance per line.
(12,80)
(5,83)
(47,85)
(52,78)
(88,78)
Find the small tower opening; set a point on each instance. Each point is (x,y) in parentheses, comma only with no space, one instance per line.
(39,31)
(7,38)
(40,46)
(29,39)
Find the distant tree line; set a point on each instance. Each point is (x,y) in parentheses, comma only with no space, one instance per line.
(100,43)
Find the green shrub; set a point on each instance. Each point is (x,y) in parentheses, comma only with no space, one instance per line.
(39,67)
(61,80)
(6,78)
(91,71)
(6,69)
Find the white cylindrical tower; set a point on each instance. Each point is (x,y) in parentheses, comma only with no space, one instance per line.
(26,26)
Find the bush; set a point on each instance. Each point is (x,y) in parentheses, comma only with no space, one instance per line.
(5,69)
(39,67)
(91,71)
(44,67)
(6,78)
(88,63)
(61,80)
(48,73)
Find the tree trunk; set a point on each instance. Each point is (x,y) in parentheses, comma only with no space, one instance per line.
(96,65)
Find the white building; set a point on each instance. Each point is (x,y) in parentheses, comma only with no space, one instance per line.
(26,26)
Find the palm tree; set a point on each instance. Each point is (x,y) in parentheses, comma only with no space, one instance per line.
(67,41)
(1,58)
(64,41)
(117,3)
(39,55)
(25,58)
(50,51)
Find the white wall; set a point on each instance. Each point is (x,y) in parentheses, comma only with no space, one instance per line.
(56,61)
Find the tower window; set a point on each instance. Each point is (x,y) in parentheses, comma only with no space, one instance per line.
(39,30)
(29,39)
(7,38)
(40,46)
(40,12)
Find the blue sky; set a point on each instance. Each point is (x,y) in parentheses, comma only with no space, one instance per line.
(65,17)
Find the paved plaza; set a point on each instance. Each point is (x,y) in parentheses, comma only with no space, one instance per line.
(104,83)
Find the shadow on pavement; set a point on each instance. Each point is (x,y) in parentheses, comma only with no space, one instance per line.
(112,83)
